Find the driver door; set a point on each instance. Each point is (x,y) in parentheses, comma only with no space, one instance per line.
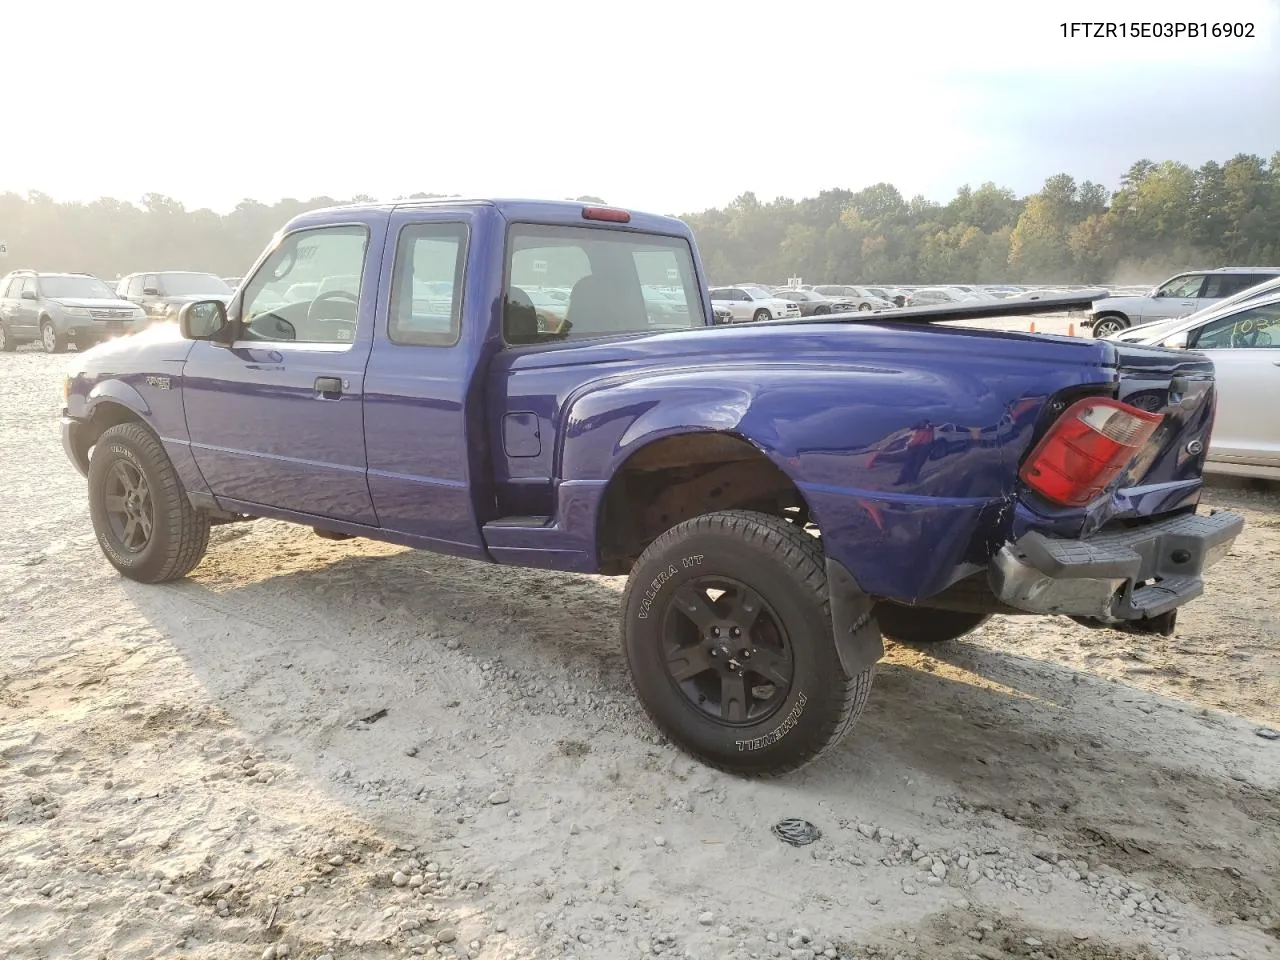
(276,418)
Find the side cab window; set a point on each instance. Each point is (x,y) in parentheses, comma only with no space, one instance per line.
(308,289)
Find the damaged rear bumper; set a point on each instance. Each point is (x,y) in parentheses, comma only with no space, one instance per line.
(1119,575)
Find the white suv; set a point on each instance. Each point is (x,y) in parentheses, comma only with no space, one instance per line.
(1176,297)
(749,302)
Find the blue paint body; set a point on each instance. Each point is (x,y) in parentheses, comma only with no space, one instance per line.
(904,439)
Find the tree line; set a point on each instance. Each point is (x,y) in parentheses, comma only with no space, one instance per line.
(1163,218)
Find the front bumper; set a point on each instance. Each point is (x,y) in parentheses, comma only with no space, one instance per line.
(1125,574)
(75,451)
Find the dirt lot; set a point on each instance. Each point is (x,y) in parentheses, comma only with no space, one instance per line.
(352,750)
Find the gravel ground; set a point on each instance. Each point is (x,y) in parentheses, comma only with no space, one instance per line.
(313,749)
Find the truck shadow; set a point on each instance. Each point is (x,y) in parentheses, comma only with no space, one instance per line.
(455,652)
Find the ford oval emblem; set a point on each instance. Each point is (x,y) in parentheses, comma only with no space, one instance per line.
(1195,447)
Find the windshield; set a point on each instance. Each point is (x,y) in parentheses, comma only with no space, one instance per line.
(757,293)
(186,284)
(85,288)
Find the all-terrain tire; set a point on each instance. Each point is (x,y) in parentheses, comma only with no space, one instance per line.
(179,533)
(760,316)
(923,626)
(785,567)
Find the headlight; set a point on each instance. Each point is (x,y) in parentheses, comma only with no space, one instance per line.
(76,311)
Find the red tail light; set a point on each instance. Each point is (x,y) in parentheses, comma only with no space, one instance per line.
(611,214)
(1087,448)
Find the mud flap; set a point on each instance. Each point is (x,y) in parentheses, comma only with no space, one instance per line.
(858,640)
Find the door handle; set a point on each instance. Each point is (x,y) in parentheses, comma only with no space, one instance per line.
(329,385)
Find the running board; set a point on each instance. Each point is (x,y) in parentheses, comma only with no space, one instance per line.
(530,522)
(536,542)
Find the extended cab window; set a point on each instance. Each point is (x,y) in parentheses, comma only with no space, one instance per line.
(579,282)
(426,296)
(308,290)
(1249,329)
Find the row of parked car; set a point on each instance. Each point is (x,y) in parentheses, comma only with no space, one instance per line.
(63,309)
(759,301)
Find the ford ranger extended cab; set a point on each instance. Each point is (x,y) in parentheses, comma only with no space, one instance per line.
(782,494)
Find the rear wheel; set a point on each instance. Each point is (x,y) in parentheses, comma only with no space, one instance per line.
(145,525)
(761,315)
(7,343)
(50,339)
(1109,325)
(727,630)
(923,626)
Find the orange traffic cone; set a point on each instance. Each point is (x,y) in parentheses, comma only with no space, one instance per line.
(1033,327)
(1071,329)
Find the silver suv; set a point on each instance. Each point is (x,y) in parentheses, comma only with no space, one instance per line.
(1176,297)
(61,308)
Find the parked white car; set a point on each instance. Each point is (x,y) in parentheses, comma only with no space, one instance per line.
(1178,296)
(749,302)
(1243,340)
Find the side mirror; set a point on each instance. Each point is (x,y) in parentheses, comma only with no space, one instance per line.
(28,295)
(1177,342)
(203,319)
(150,292)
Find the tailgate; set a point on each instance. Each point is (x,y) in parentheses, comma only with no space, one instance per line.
(1180,385)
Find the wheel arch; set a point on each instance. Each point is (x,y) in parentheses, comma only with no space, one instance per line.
(107,412)
(679,474)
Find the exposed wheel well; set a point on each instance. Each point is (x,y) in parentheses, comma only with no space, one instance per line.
(676,478)
(106,415)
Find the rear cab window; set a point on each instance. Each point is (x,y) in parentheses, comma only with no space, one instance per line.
(576,283)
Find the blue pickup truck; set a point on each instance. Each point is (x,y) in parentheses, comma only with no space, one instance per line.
(782,494)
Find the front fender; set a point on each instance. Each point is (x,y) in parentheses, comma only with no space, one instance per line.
(117,391)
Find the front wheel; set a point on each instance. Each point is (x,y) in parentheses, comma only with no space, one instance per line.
(1109,325)
(864,307)
(760,316)
(50,339)
(923,626)
(7,343)
(146,527)
(728,636)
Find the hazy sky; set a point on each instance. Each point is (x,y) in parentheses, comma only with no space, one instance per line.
(660,105)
